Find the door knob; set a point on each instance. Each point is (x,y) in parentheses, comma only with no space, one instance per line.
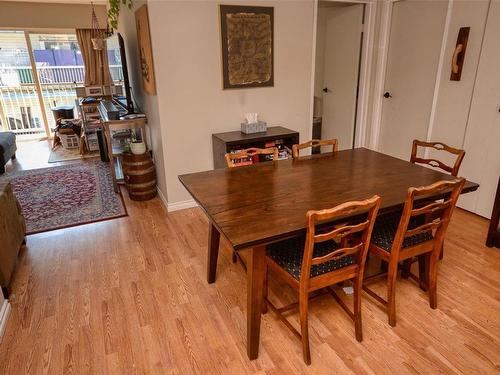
(387,94)
(325,89)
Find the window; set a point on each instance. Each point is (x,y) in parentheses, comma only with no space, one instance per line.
(26,98)
(20,109)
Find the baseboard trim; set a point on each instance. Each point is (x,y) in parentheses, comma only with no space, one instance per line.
(4,316)
(182,205)
(162,198)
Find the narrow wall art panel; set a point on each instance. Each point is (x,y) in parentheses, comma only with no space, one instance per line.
(145,50)
(458,58)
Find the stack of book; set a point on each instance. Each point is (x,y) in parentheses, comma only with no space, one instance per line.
(284,152)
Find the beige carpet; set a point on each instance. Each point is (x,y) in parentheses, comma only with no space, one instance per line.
(62,154)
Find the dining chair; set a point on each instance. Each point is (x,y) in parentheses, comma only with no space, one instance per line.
(418,233)
(321,259)
(243,154)
(315,143)
(453,170)
(249,153)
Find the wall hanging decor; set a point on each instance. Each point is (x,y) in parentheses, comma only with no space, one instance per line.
(145,50)
(114,7)
(247,35)
(457,60)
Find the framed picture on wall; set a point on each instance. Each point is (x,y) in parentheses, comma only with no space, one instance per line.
(145,50)
(247,36)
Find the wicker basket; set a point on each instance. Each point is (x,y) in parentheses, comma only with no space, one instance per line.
(69,140)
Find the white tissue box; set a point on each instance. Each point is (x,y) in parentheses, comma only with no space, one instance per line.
(257,127)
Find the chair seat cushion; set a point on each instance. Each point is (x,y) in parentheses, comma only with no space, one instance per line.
(288,254)
(386,227)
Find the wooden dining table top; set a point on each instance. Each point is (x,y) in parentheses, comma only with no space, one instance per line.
(265,202)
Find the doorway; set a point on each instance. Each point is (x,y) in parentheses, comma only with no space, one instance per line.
(414,45)
(38,71)
(337,71)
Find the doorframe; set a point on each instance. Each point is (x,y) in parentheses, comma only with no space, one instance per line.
(380,72)
(365,68)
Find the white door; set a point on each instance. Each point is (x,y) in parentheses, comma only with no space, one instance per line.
(482,138)
(343,35)
(412,62)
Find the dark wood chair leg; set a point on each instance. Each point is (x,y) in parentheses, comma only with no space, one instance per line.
(391,292)
(358,326)
(423,271)
(433,267)
(5,292)
(383,266)
(304,325)
(234,257)
(441,254)
(406,269)
(213,252)
(264,292)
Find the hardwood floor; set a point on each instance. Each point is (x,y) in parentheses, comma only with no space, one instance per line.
(32,154)
(130,296)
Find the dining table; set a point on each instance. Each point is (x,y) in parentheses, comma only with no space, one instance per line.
(256,205)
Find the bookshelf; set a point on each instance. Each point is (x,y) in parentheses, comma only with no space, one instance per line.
(223,143)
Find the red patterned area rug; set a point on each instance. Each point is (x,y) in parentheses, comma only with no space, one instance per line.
(65,196)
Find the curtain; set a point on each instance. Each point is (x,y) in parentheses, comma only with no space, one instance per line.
(96,62)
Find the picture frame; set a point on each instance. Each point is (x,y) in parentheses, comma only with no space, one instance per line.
(94,91)
(247,41)
(145,50)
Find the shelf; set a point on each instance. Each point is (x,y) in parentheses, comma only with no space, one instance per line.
(223,143)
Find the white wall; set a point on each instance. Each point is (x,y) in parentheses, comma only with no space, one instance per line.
(319,67)
(49,15)
(193,105)
(147,103)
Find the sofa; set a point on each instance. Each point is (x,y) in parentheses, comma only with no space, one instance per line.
(12,234)
(7,149)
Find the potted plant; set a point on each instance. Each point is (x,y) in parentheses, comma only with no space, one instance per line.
(137,146)
(114,11)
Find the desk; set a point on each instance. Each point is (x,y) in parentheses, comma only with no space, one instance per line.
(256,205)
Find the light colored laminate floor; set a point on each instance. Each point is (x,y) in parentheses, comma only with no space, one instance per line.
(129,296)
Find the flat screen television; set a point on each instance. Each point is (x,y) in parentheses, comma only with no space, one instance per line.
(118,66)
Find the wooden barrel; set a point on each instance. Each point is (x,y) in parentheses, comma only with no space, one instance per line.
(139,175)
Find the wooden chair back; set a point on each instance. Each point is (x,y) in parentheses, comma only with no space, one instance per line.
(249,153)
(436,214)
(315,143)
(339,233)
(434,162)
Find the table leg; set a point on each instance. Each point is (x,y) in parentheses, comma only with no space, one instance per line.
(256,268)
(423,271)
(213,252)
